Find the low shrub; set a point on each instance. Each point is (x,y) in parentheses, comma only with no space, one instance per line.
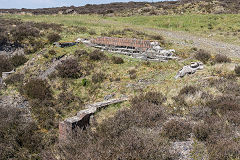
(117,60)
(188,90)
(5,65)
(3,39)
(18,140)
(220,58)
(224,104)
(147,110)
(24,31)
(82,29)
(80,53)
(132,71)
(154,97)
(201,131)
(92,32)
(18,60)
(157,37)
(97,55)
(44,112)
(202,55)
(177,129)
(132,74)
(69,69)
(53,37)
(37,89)
(98,77)
(224,149)
(52,52)
(85,82)
(66,98)
(237,70)
(14,78)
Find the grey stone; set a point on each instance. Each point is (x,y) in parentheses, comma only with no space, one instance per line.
(150,52)
(189,69)
(183,149)
(6,74)
(83,118)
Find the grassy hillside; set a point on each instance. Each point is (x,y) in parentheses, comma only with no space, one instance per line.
(223,27)
(162,110)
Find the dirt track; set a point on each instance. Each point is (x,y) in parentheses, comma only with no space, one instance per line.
(186,39)
(183,38)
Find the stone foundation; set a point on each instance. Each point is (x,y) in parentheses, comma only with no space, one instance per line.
(68,127)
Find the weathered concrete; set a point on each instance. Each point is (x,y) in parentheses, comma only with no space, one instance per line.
(68,127)
(141,49)
(6,74)
(52,66)
(189,69)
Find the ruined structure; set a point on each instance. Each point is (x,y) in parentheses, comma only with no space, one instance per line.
(6,74)
(143,49)
(65,44)
(82,119)
(189,69)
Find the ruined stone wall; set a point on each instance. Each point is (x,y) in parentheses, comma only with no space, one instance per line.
(128,42)
(68,127)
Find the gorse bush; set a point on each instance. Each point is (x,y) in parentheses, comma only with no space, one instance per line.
(37,89)
(220,58)
(202,55)
(18,60)
(69,69)
(53,37)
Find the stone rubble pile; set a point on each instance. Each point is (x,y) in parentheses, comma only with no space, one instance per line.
(190,69)
(141,49)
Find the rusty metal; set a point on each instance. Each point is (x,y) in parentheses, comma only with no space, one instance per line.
(128,42)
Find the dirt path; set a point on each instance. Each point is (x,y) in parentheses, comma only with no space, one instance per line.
(186,39)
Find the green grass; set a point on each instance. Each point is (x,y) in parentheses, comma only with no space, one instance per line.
(185,22)
(223,27)
(162,73)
